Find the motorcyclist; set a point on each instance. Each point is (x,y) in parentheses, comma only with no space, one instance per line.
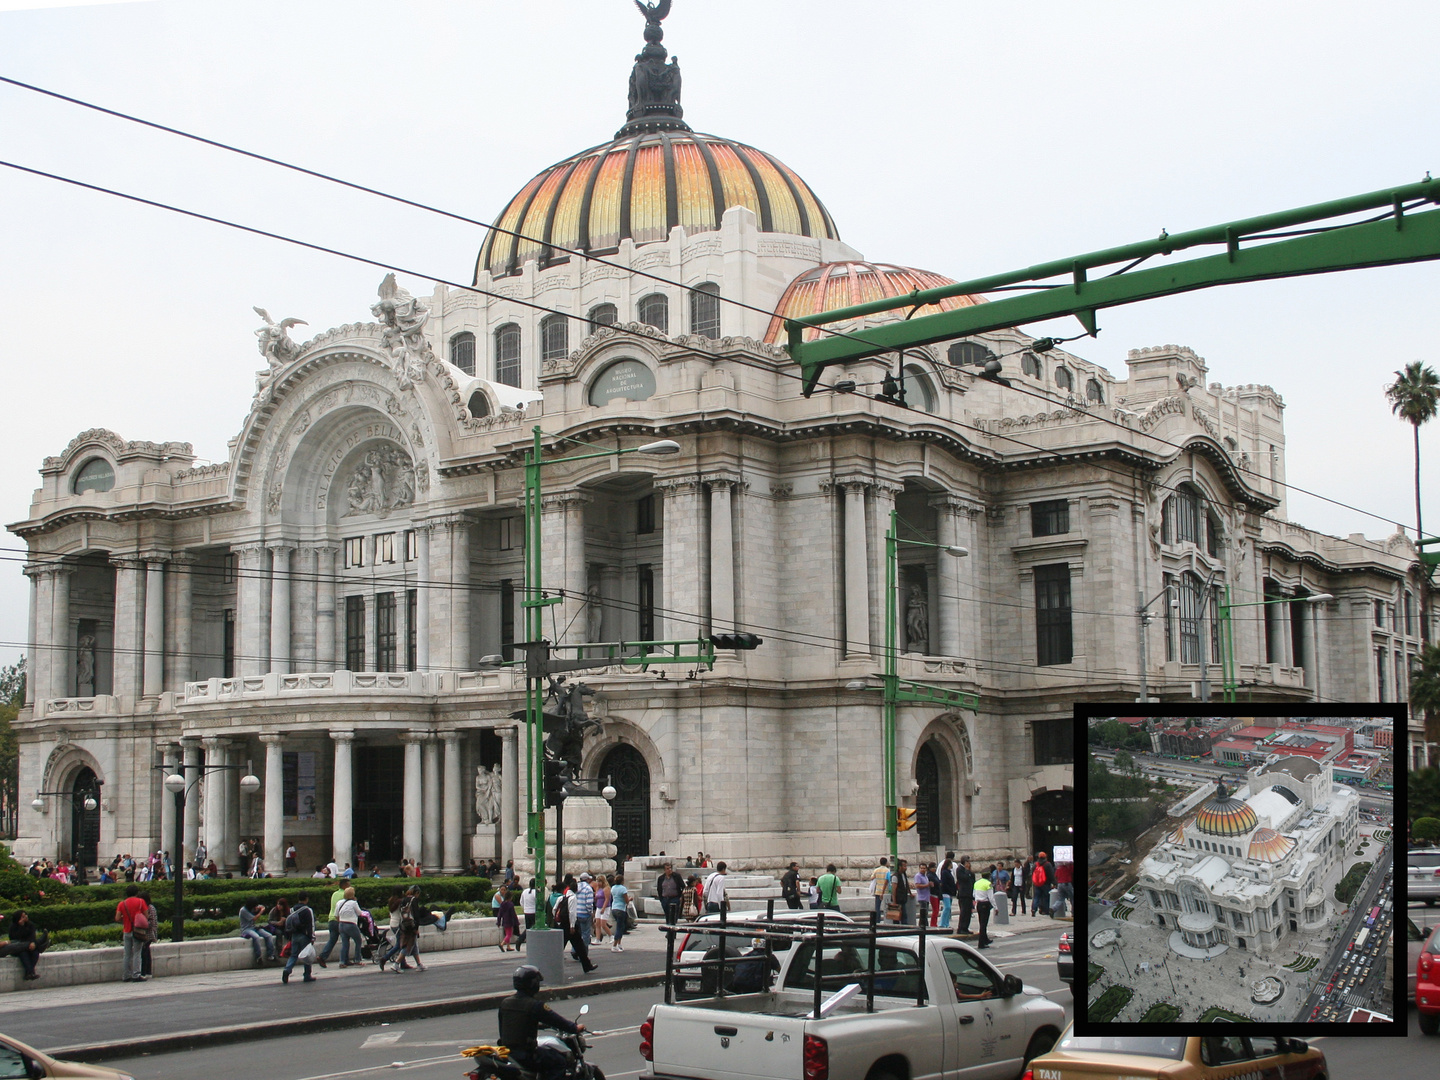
(522,1015)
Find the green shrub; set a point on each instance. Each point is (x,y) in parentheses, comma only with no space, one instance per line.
(1349,885)
(1161,1013)
(23,889)
(1108,1005)
(114,935)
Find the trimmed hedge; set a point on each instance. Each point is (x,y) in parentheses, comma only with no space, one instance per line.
(1109,1004)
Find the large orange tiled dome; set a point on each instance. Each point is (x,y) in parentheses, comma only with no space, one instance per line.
(1225,816)
(842,284)
(639,187)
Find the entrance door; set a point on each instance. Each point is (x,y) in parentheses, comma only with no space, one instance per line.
(1051,816)
(85,824)
(630,811)
(379,815)
(927,798)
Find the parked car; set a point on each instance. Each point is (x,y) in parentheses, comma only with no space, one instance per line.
(17,1059)
(1427,983)
(1177,1057)
(692,947)
(1066,960)
(1423,874)
(1415,942)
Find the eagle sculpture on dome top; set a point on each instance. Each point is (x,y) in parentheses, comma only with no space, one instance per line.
(653,14)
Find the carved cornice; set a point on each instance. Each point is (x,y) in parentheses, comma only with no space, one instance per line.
(957,504)
(677,485)
(127,562)
(724,479)
(116,447)
(887,489)
(564,500)
(781,489)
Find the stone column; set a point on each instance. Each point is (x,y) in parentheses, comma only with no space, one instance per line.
(459,628)
(304,568)
(454,804)
(169,758)
(129,613)
(683,541)
(423,585)
(857,572)
(274,802)
(249,583)
(564,565)
(281,651)
(33,573)
(153,679)
(722,557)
(182,569)
(948,571)
(325,658)
(342,840)
(412,801)
(64,643)
(214,784)
(430,839)
(234,755)
(509,788)
(42,666)
(192,799)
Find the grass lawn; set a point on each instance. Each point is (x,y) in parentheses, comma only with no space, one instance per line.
(1095,972)
(1350,884)
(1108,1005)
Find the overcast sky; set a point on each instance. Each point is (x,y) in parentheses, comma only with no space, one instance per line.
(959,137)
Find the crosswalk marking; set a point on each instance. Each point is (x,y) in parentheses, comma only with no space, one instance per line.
(382,1038)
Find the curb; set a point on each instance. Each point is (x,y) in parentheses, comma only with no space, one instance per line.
(420,1010)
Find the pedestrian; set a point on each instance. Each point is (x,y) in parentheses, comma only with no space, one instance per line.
(982,897)
(527,905)
(1018,886)
(507,921)
(692,901)
(715,901)
(23,944)
(146,935)
(300,928)
(827,889)
(933,875)
(790,887)
(901,894)
(290,856)
(947,888)
(1040,876)
(880,884)
(565,921)
(396,904)
(812,890)
(333,925)
(964,892)
(668,890)
(128,912)
(349,912)
(583,910)
(258,936)
(619,911)
(922,894)
(410,929)
(604,886)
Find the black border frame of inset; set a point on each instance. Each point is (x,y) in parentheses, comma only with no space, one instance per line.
(1080,938)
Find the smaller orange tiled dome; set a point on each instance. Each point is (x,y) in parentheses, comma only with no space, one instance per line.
(843,284)
(1178,836)
(1267,845)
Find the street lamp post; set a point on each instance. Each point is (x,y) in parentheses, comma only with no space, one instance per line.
(91,801)
(1227,636)
(176,785)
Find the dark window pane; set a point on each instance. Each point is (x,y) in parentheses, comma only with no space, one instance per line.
(355,633)
(507,355)
(1064,379)
(1093,391)
(554,337)
(385,631)
(462,352)
(290,783)
(602,315)
(1190,612)
(1050,518)
(1030,365)
(645,514)
(1052,614)
(1054,741)
(227,660)
(647,602)
(969,353)
(412,605)
(654,310)
(705,310)
(507,616)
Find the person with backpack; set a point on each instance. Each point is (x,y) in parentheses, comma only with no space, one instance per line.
(829,889)
(300,929)
(565,920)
(1040,879)
(132,913)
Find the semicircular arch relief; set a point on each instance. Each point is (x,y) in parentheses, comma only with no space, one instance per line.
(64,762)
(619,731)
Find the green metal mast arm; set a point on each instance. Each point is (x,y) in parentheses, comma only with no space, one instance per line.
(1399,238)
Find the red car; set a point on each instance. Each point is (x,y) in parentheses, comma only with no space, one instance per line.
(1427,983)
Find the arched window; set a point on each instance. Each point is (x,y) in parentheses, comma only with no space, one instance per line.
(969,353)
(1191,609)
(919,393)
(602,315)
(654,310)
(462,352)
(1064,379)
(705,310)
(554,337)
(507,355)
(97,474)
(1030,365)
(1093,391)
(479,405)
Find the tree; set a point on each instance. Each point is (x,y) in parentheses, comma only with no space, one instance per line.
(1427,828)
(12,698)
(1415,397)
(1425,690)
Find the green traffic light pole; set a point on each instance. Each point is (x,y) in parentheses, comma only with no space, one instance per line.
(1227,634)
(534,605)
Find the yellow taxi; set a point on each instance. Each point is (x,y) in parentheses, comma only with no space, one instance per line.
(17,1059)
(1178,1057)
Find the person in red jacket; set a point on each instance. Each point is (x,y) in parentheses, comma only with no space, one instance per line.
(126,912)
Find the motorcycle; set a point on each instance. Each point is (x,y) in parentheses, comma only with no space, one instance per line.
(493,1062)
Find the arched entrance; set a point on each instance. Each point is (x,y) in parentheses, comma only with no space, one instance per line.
(625,767)
(927,797)
(1052,813)
(84,824)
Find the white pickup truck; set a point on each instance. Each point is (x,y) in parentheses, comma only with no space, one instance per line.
(967,1021)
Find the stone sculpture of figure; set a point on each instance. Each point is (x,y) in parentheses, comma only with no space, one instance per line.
(594,614)
(404,318)
(85,666)
(917,620)
(355,492)
(487,794)
(275,344)
(654,85)
(403,491)
(374,470)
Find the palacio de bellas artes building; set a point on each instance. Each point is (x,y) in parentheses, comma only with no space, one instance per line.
(316,609)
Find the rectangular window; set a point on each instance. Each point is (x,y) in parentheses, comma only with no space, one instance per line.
(412,628)
(1215,626)
(1054,741)
(1401,683)
(1050,518)
(385,631)
(507,616)
(355,633)
(412,546)
(1052,614)
(1168,614)
(1409,615)
(705,310)
(510,533)
(1380,613)
(384,548)
(645,516)
(1187,518)
(232,568)
(1380,674)
(646,577)
(227,654)
(554,337)
(1189,621)
(354,552)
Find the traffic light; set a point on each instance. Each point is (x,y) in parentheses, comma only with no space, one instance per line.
(735,641)
(904,818)
(554,782)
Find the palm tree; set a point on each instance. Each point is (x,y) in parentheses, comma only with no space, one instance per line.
(1415,397)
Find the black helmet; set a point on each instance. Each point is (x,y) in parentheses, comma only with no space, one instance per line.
(527,979)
